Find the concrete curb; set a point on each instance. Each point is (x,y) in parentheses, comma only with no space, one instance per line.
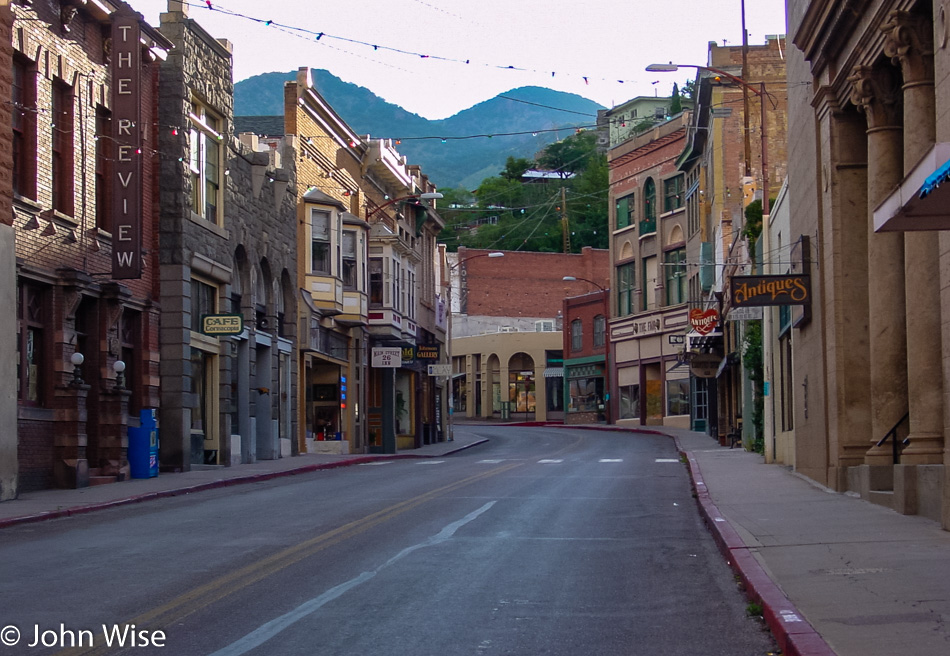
(211,485)
(794,634)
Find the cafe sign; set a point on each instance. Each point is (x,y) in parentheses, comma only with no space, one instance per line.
(751,291)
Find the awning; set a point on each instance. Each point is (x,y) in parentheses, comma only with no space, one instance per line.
(554,372)
(922,201)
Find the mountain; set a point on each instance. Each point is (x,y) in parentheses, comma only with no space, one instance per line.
(457,162)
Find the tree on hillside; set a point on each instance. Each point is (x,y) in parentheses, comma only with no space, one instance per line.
(515,167)
(569,155)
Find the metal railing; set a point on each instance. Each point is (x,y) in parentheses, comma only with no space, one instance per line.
(896,444)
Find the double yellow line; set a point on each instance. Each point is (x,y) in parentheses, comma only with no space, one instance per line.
(211,592)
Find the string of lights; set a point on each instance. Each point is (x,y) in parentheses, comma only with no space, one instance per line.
(320,35)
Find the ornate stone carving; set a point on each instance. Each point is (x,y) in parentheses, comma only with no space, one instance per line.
(909,44)
(876,91)
(66,16)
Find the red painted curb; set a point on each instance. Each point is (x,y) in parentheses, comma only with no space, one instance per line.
(794,634)
(226,482)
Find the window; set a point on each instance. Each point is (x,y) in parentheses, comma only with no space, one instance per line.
(629,401)
(626,280)
(600,330)
(31,321)
(103,168)
(320,242)
(693,199)
(129,339)
(24,129)
(675,271)
(673,193)
(349,272)
(648,224)
(626,211)
(786,392)
(375,282)
(577,335)
(677,397)
(649,283)
(62,148)
(544,326)
(204,300)
(585,394)
(205,162)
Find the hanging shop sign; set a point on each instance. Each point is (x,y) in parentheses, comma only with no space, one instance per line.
(703,321)
(791,289)
(387,357)
(745,314)
(127,139)
(428,352)
(704,365)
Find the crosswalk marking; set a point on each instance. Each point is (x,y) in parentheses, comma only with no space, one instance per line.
(490,462)
(378,462)
(667,460)
(549,462)
(430,462)
(611,460)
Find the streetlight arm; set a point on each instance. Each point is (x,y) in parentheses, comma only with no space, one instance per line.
(669,68)
(576,278)
(425,196)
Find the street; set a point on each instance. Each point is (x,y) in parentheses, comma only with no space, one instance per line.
(541,541)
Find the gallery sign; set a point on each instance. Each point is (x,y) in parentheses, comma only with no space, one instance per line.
(791,289)
(127,137)
(428,352)
(703,321)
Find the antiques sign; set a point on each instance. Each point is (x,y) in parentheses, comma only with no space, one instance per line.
(703,321)
(127,140)
(791,289)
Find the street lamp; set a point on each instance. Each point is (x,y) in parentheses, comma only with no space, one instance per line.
(492,254)
(761,93)
(606,299)
(429,195)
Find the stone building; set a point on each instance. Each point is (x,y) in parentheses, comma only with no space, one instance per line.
(228,237)
(869,98)
(83,166)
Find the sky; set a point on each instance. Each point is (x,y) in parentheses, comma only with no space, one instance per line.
(594,48)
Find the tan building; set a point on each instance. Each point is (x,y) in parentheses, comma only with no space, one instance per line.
(869,97)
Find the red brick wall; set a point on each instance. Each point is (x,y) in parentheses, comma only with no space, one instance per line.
(585,308)
(6,125)
(528,284)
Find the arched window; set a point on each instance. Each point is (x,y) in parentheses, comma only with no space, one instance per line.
(648,224)
(577,335)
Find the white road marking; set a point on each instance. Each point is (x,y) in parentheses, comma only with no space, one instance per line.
(667,460)
(377,462)
(549,462)
(430,462)
(265,632)
(489,462)
(611,460)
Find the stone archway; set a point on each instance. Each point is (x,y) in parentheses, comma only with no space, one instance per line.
(522,390)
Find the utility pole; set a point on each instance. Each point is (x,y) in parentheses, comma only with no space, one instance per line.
(565,226)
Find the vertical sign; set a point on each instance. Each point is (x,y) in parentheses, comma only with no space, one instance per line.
(127,133)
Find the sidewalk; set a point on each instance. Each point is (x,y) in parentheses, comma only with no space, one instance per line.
(833,573)
(51,504)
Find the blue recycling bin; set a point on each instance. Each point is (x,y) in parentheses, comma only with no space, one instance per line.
(143,446)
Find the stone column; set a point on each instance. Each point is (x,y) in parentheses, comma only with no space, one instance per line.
(876,91)
(70,466)
(909,43)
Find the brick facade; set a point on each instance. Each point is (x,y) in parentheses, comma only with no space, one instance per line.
(73,429)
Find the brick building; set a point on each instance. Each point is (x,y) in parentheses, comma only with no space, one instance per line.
(506,342)
(228,229)
(84,173)
(586,357)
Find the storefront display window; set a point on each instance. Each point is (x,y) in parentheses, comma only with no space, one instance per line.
(585,394)
(677,397)
(629,402)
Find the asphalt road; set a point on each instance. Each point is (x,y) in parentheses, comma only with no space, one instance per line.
(542,541)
